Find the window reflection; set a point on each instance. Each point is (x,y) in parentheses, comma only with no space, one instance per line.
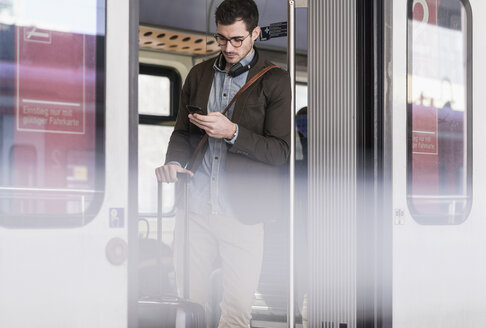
(438,106)
(51,109)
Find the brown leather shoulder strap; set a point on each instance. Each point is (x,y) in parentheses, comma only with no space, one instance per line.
(247,85)
(243,88)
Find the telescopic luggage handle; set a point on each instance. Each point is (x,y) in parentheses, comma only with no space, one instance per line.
(183,178)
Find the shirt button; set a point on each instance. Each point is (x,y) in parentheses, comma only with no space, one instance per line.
(224,94)
(216,158)
(214,179)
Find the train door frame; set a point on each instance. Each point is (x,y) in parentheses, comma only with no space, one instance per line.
(132,310)
(349,194)
(435,258)
(374,267)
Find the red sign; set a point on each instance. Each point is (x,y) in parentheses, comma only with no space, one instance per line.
(424,143)
(55,113)
(424,132)
(426,11)
(51,84)
(425,157)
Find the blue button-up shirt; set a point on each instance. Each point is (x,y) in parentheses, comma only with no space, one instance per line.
(207,187)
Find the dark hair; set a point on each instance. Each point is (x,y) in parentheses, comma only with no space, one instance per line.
(229,11)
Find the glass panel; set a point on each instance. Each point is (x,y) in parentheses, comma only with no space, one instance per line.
(301,196)
(439,186)
(301,126)
(51,110)
(154,95)
(300,96)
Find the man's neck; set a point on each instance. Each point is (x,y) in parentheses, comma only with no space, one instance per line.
(228,65)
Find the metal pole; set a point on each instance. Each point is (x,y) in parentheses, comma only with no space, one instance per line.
(291,70)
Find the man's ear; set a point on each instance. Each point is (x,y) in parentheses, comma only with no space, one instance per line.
(255,33)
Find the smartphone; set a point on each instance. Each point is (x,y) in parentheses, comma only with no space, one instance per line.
(194,109)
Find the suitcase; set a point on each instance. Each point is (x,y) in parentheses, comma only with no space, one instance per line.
(170,311)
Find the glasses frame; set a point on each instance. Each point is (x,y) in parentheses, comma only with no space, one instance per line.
(223,41)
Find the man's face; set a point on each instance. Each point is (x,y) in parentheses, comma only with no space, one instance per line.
(238,31)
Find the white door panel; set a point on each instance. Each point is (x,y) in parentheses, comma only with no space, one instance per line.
(438,270)
(61,277)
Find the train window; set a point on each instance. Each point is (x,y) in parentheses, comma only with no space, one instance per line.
(159,90)
(153,93)
(301,124)
(157,100)
(300,96)
(439,111)
(51,112)
(301,157)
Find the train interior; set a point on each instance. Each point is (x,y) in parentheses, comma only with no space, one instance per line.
(172,38)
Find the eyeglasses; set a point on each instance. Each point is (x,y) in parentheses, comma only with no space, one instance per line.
(235,42)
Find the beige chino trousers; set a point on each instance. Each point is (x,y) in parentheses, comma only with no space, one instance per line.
(236,247)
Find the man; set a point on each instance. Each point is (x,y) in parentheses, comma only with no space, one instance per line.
(237,179)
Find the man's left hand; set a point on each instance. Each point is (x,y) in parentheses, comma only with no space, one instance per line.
(215,124)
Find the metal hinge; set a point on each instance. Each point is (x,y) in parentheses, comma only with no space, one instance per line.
(399,216)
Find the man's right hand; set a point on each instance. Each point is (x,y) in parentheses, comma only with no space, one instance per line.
(168,173)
